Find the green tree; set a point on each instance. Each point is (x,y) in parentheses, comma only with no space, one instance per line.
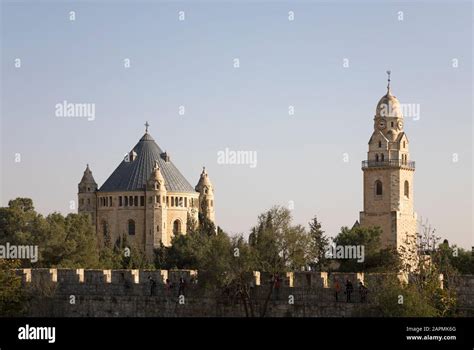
(63,241)
(13,300)
(318,245)
(69,242)
(375,259)
(396,299)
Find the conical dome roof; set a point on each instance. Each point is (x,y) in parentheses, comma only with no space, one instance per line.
(87,178)
(203,180)
(132,174)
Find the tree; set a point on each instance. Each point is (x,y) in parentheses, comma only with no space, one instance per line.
(375,258)
(318,245)
(69,242)
(462,261)
(429,262)
(12,297)
(278,246)
(131,255)
(396,299)
(63,241)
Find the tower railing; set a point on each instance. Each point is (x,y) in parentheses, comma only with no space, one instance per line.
(392,163)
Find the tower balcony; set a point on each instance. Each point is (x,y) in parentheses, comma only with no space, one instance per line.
(392,163)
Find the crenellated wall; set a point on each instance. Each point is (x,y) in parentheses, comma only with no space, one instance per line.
(131,293)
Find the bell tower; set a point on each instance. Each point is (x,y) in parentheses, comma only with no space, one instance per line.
(388,176)
(206,196)
(87,195)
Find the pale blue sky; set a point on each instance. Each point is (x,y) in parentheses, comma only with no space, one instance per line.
(282,63)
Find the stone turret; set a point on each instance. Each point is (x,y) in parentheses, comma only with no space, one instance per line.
(87,195)
(156,214)
(206,196)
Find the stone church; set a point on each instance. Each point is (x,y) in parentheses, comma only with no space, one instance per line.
(388,177)
(145,198)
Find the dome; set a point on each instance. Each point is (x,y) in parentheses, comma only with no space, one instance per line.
(388,106)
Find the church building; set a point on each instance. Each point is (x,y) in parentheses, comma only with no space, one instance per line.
(145,198)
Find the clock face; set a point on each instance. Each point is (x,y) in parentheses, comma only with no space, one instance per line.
(400,125)
(382,124)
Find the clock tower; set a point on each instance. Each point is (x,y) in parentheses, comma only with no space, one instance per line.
(388,177)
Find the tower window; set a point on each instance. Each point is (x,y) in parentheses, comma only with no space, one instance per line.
(131,227)
(88,189)
(88,201)
(380,144)
(391,124)
(404,144)
(378,188)
(130,201)
(376,157)
(142,201)
(186,202)
(177,227)
(126,201)
(120,201)
(110,199)
(382,157)
(136,201)
(172,201)
(407,189)
(158,228)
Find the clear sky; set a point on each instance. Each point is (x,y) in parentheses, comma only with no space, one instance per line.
(283,63)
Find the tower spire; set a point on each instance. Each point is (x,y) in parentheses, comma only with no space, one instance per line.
(388,81)
(146,127)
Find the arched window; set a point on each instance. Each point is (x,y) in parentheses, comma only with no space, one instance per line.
(407,189)
(378,188)
(376,157)
(177,227)
(404,144)
(131,227)
(382,155)
(380,144)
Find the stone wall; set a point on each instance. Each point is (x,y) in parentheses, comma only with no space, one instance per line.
(130,293)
